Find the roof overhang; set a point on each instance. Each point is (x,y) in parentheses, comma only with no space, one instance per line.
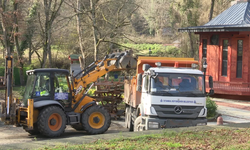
(215,29)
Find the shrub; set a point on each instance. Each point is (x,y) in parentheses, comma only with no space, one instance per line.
(61,63)
(211,107)
(16,74)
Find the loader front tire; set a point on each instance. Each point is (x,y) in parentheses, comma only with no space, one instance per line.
(51,121)
(96,120)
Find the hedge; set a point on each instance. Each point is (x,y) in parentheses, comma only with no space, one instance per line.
(16,74)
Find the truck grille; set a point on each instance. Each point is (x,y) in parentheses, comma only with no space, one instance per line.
(168,111)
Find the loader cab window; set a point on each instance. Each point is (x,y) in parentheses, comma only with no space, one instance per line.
(61,86)
(42,85)
(28,88)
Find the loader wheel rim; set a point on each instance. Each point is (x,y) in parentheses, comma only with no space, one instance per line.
(55,122)
(96,120)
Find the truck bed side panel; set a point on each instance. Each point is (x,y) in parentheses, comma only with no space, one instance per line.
(131,96)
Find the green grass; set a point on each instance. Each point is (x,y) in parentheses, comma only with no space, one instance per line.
(213,139)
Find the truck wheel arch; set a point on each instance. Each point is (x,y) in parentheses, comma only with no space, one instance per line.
(140,110)
(40,104)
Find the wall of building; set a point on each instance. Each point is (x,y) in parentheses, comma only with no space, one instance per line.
(214,57)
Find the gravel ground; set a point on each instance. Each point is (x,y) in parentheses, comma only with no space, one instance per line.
(10,134)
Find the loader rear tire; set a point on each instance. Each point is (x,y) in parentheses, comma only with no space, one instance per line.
(78,127)
(32,132)
(51,121)
(96,120)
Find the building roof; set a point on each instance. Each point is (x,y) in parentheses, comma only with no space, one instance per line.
(74,56)
(235,18)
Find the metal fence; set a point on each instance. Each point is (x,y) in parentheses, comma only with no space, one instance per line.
(231,87)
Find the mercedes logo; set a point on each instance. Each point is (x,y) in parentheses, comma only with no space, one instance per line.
(178,109)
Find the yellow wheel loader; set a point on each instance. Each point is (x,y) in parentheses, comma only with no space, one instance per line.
(53,98)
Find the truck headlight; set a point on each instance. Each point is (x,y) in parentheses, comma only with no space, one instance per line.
(150,111)
(203,112)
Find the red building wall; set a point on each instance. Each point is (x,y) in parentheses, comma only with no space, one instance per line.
(227,84)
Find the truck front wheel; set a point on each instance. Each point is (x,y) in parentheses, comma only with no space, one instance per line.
(96,120)
(138,124)
(51,121)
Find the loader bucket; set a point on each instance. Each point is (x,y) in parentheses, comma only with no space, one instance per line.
(125,60)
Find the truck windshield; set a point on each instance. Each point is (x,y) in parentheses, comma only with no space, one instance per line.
(178,85)
(28,88)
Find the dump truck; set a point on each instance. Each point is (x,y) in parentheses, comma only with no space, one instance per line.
(54,98)
(166,93)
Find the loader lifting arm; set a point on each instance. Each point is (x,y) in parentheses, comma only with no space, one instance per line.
(112,62)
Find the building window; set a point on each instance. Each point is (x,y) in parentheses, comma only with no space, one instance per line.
(239,59)
(224,58)
(204,48)
(214,40)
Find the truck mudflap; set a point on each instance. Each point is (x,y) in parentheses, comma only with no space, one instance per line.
(154,123)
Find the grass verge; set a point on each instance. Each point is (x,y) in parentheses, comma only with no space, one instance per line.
(213,139)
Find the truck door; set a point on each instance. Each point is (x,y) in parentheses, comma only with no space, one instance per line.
(145,90)
(62,89)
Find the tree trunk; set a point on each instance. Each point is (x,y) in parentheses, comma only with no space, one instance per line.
(211,10)
(79,31)
(45,43)
(49,47)
(19,53)
(92,6)
(30,51)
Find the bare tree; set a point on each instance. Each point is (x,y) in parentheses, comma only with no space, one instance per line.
(6,25)
(79,31)
(51,11)
(93,20)
(211,10)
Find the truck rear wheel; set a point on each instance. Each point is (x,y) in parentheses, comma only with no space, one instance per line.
(96,120)
(51,121)
(128,119)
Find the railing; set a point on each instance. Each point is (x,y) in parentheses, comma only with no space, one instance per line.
(231,86)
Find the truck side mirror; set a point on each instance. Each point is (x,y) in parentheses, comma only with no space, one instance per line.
(210,82)
(145,67)
(139,82)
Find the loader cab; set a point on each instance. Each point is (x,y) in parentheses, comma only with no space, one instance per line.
(48,84)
